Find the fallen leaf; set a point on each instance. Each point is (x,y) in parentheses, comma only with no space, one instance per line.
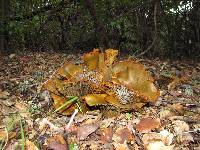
(3,135)
(119,146)
(4,94)
(123,134)
(30,145)
(158,145)
(163,136)
(167,137)
(176,93)
(178,107)
(106,122)
(185,138)
(17,145)
(23,107)
(94,146)
(85,130)
(176,81)
(69,70)
(56,142)
(106,135)
(158,141)
(147,124)
(165,113)
(180,126)
(46,123)
(12,146)
(12,55)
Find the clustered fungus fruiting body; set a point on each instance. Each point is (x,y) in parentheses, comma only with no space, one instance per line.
(90,76)
(100,79)
(123,94)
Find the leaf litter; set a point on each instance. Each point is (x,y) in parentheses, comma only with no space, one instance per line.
(172,122)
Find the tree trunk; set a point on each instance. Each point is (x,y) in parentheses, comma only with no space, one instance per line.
(100,32)
(4,23)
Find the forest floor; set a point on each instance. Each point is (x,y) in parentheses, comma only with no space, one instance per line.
(173,122)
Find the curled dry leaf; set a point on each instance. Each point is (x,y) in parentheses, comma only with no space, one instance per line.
(147,124)
(101,80)
(85,130)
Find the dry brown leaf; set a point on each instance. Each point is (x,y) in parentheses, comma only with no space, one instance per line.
(17,145)
(119,146)
(165,113)
(57,142)
(106,122)
(176,81)
(158,141)
(106,135)
(147,124)
(4,94)
(3,135)
(180,126)
(163,136)
(30,145)
(185,138)
(123,134)
(158,145)
(178,107)
(85,130)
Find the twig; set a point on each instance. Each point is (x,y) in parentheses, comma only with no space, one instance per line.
(72,118)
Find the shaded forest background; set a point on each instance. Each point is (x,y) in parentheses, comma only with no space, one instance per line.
(152,28)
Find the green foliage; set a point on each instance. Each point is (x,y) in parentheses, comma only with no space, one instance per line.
(129,25)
